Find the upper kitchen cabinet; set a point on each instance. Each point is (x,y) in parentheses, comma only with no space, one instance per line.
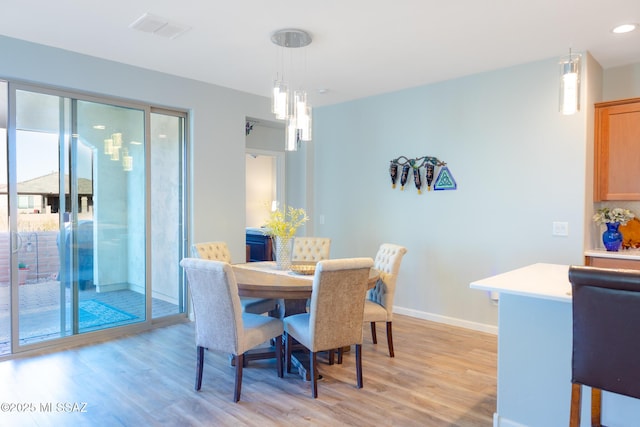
(617,150)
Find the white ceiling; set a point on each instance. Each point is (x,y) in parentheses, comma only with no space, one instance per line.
(360,47)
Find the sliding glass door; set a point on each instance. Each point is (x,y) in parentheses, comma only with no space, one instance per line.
(74,212)
(77,215)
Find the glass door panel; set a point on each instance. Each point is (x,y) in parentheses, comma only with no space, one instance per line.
(114,166)
(5,254)
(79,209)
(167,169)
(34,199)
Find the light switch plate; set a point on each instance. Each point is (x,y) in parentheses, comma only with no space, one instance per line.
(560,228)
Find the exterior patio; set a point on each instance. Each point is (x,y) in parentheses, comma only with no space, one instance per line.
(40,311)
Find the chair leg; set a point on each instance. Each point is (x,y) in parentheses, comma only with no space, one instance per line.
(279,355)
(374,338)
(340,354)
(576,403)
(332,353)
(596,406)
(359,364)
(287,351)
(313,369)
(390,339)
(199,365)
(239,364)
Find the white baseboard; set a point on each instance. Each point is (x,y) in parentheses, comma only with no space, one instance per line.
(491,329)
(498,421)
(112,287)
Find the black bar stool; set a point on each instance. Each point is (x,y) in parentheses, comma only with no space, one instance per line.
(606,336)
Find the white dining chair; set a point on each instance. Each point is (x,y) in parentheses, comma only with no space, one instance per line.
(310,249)
(219,251)
(378,306)
(335,316)
(220,323)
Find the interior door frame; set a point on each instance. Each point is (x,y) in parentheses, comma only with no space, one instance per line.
(280,170)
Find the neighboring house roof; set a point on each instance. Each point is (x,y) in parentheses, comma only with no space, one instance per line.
(49,184)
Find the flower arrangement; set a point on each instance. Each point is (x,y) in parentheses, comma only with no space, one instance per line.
(619,215)
(283,223)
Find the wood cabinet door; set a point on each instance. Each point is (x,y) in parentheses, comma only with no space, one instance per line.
(631,264)
(617,150)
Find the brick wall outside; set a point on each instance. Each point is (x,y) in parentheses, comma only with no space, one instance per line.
(39,251)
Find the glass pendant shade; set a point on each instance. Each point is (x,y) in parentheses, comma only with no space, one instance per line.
(570,84)
(291,137)
(300,103)
(117,139)
(306,125)
(302,114)
(108,146)
(127,161)
(280,100)
(115,154)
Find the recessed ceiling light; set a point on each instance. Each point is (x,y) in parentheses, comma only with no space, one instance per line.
(624,28)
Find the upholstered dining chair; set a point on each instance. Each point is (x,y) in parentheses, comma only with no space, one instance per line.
(334,319)
(219,251)
(606,319)
(220,323)
(310,249)
(378,306)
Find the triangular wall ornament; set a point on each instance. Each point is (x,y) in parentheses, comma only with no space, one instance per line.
(445,180)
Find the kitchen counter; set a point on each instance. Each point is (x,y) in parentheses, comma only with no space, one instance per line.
(535,330)
(544,281)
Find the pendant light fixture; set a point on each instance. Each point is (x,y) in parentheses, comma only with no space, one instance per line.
(294,109)
(570,83)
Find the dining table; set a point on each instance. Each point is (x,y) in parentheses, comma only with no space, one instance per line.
(264,280)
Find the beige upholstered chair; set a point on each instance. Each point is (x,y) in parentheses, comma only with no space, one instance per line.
(219,251)
(310,249)
(335,316)
(220,323)
(378,306)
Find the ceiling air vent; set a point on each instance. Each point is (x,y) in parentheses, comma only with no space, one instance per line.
(159,26)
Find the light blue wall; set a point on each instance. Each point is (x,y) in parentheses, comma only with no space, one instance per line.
(519,165)
(217,124)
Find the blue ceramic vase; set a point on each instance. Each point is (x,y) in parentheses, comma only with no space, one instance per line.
(612,238)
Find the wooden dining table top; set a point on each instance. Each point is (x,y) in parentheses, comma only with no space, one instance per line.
(264,280)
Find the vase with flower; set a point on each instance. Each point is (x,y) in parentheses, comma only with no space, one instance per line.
(612,218)
(282,226)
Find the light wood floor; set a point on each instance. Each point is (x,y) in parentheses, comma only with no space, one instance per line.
(441,376)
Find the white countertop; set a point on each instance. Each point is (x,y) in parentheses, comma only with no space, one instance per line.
(545,281)
(633,254)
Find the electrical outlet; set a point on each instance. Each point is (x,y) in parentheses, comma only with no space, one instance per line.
(560,228)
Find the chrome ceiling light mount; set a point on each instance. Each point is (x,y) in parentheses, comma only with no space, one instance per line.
(298,114)
(291,38)
(570,83)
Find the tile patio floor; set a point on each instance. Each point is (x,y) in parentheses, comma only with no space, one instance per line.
(39,309)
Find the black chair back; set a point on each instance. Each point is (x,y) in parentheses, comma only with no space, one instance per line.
(606,329)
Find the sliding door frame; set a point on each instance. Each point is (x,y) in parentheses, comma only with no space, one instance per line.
(149,322)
